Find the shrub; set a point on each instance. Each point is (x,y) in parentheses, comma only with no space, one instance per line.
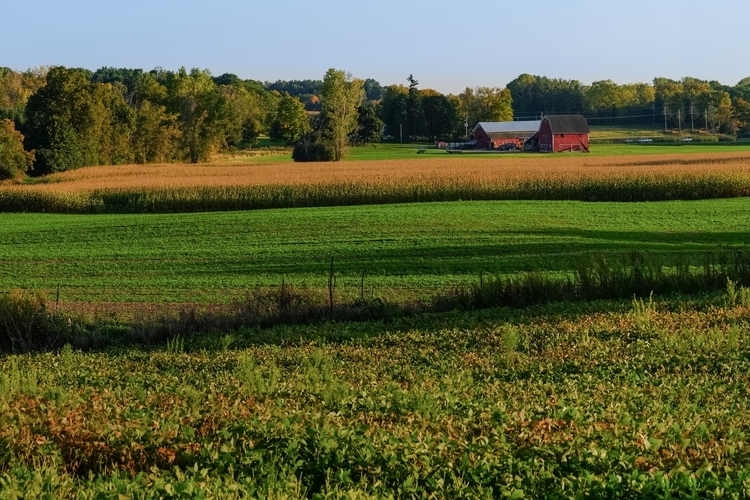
(312,149)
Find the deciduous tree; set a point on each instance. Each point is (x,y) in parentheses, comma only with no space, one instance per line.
(60,122)
(392,109)
(369,125)
(742,116)
(155,139)
(15,90)
(201,111)
(668,96)
(112,126)
(486,104)
(245,115)
(340,97)
(442,116)
(14,160)
(291,121)
(536,95)
(373,90)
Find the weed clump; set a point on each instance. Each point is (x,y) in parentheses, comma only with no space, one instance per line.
(26,324)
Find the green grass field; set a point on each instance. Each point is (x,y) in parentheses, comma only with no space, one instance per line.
(634,132)
(394,151)
(403,250)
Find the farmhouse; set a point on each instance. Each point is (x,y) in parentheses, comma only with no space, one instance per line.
(561,133)
(493,135)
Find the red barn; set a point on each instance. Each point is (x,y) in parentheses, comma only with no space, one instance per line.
(561,133)
(493,135)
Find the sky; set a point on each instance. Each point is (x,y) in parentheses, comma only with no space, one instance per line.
(446,45)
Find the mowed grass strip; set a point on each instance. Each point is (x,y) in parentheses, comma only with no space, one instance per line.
(403,251)
(391,151)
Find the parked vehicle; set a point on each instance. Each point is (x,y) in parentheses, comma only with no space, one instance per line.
(508,146)
(628,141)
(687,139)
(645,140)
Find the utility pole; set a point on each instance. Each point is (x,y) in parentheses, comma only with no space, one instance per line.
(665,119)
(692,125)
(679,121)
(401,133)
(705,114)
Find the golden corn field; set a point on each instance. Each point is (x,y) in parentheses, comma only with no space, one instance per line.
(481,170)
(183,187)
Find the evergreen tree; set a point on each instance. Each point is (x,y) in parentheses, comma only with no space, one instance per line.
(414,114)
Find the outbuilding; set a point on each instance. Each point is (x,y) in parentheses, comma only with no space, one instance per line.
(494,135)
(561,133)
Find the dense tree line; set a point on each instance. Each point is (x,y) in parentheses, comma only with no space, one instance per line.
(55,119)
(413,114)
(687,103)
(73,117)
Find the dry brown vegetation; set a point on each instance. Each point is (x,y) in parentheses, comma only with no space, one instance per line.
(191,188)
(389,171)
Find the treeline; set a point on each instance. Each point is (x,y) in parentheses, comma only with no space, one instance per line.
(57,119)
(308,91)
(689,103)
(410,113)
(73,117)
(62,118)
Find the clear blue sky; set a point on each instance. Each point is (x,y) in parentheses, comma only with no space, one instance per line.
(445,45)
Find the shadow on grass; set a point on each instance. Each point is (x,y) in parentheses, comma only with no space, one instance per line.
(27,324)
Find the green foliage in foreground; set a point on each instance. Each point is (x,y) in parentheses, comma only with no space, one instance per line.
(649,400)
(401,249)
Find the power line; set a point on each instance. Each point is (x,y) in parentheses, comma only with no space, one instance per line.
(589,118)
(618,117)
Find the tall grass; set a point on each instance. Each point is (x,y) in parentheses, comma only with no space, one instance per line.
(637,274)
(26,323)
